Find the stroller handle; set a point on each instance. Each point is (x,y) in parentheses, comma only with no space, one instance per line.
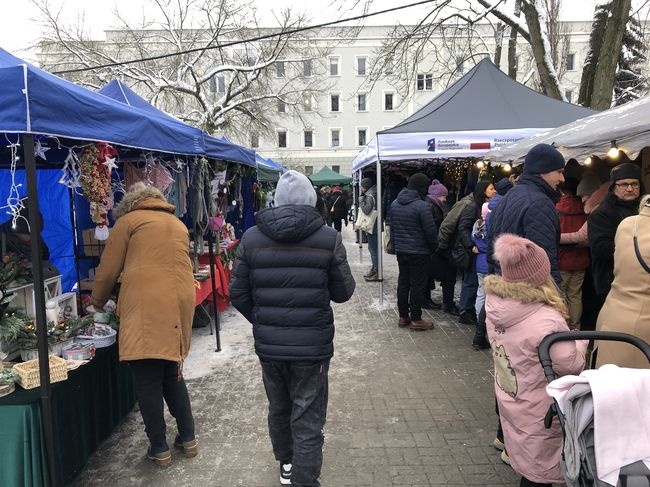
(549,340)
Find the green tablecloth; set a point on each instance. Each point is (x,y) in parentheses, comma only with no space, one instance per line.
(86,408)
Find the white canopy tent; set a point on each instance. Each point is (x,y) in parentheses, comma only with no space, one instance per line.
(482,110)
(627,126)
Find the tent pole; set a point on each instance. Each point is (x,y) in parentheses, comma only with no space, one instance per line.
(359,232)
(36,225)
(213,267)
(380,249)
(73,220)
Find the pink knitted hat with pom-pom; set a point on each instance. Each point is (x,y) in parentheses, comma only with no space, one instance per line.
(521,260)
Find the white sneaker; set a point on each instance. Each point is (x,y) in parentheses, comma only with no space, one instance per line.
(285,473)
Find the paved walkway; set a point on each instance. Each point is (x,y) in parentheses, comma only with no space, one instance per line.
(406,408)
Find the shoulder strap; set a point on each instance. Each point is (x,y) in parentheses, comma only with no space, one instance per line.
(636,249)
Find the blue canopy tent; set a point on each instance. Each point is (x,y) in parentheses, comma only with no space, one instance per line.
(268,170)
(217,148)
(33,102)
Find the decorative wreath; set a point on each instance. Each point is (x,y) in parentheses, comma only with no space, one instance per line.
(95,167)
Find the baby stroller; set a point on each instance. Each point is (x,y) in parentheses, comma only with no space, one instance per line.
(578,459)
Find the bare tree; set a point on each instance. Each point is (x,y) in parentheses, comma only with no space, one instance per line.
(235,89)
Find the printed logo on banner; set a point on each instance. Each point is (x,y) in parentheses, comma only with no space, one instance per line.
(432,145)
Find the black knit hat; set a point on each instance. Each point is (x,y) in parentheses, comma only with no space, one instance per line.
(503,185)
(543,158)
(367,183)
(419,182)
(627,170)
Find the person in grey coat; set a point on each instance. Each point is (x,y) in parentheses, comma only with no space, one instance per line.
(288,269)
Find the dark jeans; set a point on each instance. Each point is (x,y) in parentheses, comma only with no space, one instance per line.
(155,380)
(337,224)
(412,284)
(372,248)
(297,394)
(448,283)
(468,290)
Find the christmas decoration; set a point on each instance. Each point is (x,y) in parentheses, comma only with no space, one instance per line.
(95,165)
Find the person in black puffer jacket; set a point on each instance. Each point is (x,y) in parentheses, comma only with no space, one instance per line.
(415,237)
(288,268)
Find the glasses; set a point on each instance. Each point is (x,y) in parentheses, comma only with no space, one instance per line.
(628,185)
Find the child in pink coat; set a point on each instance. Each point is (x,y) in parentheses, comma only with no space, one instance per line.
(523,305)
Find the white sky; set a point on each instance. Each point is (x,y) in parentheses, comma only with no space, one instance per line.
(19,26)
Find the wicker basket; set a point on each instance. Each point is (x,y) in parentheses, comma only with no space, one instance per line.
(28,373)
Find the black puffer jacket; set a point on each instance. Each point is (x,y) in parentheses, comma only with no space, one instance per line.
(602,225)
(412,225)
(288,268)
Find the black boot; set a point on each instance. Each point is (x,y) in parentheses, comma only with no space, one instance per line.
(480,334)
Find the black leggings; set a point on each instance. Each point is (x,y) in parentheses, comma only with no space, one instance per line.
(529,483)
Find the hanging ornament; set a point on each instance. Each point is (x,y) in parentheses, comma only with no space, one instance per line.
(70,171)
(95,181)
(40,150)
(14,201)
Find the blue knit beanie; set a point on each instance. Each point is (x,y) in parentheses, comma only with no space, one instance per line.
(543,158)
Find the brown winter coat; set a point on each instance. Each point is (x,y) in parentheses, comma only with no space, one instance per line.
(627,307)
(149,248)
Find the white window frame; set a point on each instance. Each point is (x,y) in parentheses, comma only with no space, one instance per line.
(426,77)
(568,94)
(575,62)
(356,64)
(339,168)
(305,63)
(356,131)
(331,132)
(255,140)
(460,65)
(284,69)
(383,100)
(308,103)
(286,138)
(336,93)
(365,95)
(310,171)
(283,104)
(338,65)
(304,140)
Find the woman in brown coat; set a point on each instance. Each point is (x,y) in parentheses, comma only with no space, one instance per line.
(627,307)
(149,248)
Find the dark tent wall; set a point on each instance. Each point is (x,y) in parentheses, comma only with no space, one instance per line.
(54,200)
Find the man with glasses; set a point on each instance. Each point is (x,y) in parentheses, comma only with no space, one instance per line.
(621,201)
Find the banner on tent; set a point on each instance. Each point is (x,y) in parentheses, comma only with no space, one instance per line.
(447,144)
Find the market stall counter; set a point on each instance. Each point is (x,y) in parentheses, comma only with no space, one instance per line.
(86,408)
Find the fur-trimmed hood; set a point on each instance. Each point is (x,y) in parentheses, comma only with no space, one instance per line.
(148,198)
(520,300)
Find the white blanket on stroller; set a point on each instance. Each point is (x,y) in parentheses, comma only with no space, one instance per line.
(621,399)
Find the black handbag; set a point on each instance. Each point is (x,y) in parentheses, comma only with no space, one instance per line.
(460,256)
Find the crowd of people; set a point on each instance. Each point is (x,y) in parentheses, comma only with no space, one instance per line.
(538,253)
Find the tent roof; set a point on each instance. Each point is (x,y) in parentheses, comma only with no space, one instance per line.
(628,125)
(214,147)
(488,99)
(482,110)
(268,164)
(326,176)
(35,101)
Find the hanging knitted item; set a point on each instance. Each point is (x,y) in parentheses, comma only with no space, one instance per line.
(95,165)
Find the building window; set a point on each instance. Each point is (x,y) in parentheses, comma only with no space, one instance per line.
(336,169)
(221,84)
(279,69)
(334,103)
(309,170)
(255,140)
(516,63)
(309,138)
(569,96)
(307,103)
(306,67)
(282,106)
(388,101)
(569,62)
(460,64)
(335,137)
(424,82)
(282,138)
(334,66)
(361,102)
(362,136)
(361,65)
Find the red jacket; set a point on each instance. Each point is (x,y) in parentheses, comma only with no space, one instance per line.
(572,217)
